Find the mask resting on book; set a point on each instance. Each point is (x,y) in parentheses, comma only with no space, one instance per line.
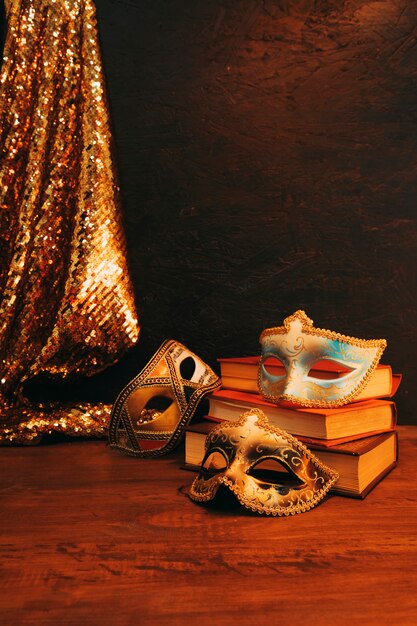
(150,414)
(268,470)
(299,346)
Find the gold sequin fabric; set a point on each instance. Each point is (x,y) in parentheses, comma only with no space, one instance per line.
(66,300)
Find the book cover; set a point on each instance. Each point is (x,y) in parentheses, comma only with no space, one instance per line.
(351,420)
(361,464)
(241,374)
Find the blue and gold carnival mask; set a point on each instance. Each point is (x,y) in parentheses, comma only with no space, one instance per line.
(298,346)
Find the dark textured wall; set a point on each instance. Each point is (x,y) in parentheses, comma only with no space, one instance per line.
(268,162)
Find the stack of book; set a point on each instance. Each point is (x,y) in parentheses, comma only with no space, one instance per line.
(358,440)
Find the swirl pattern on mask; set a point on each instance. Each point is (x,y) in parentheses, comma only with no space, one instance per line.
(246,444)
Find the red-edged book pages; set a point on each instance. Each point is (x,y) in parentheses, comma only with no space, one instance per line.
(361,464)
(241,374)
(351,420)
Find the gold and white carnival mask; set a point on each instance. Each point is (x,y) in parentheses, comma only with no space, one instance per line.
(298,346)
(236,454)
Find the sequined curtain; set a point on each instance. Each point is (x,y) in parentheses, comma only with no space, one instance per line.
(66,301)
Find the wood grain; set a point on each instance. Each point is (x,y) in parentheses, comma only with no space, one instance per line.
(90,536)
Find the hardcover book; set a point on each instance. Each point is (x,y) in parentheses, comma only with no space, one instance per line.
(361,464)
(351,420)
(241,374)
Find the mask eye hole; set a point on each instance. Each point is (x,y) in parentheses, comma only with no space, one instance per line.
(187,368)
(153,409)
(271,472)
(274,366)
(328,369)
(214,463)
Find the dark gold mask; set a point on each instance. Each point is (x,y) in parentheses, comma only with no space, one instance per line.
(237,453)
(151,412)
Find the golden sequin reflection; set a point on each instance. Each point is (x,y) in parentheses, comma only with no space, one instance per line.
(67,303)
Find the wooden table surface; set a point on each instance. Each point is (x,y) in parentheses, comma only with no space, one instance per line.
(90,536)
